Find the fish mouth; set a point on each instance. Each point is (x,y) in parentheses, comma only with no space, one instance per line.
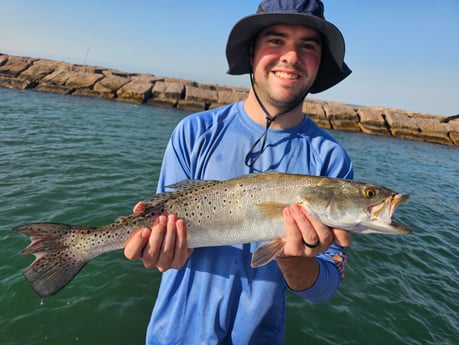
(382,213)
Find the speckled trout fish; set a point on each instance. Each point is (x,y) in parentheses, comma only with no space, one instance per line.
(240,210)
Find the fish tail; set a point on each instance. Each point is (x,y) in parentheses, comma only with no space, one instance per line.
(267,252)
(56,261)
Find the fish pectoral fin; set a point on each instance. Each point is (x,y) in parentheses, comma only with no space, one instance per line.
(267,252)
(271,209)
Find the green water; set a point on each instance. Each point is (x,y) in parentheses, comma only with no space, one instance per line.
(80,160)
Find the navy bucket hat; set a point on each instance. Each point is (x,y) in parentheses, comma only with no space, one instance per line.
(308,13)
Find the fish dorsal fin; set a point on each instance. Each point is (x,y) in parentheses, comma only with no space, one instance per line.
(183,186)
(192,184)
(271,209)
(158,199)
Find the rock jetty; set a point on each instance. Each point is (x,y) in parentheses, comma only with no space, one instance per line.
(19,72)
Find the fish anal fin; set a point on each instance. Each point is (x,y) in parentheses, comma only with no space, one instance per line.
(267,252)
(271,209)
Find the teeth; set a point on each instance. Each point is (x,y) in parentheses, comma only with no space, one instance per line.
(286,75)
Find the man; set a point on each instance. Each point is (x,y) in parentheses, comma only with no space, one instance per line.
(212,295)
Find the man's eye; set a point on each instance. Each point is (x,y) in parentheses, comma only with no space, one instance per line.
(309,46)
(275,41)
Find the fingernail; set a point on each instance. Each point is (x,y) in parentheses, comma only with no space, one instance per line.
(146,233)
(163,220)
(295,208)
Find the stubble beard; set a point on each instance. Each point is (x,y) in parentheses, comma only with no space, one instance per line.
(268,97)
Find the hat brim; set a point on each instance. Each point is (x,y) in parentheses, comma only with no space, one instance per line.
(332,67)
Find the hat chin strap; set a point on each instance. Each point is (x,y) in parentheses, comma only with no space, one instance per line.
(251,157)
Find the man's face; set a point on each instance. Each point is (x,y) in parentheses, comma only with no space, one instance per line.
(285,63)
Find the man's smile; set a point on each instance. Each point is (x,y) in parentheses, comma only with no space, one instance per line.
(286,75)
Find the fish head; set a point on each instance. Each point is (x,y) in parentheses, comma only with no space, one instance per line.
(354,206)
(380,216)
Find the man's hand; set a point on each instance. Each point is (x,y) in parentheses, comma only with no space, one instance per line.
(164,245)
(306,237)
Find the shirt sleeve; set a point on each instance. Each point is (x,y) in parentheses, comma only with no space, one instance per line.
(331,273)
(176,162)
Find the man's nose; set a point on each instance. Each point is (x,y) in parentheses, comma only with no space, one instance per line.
(289,56)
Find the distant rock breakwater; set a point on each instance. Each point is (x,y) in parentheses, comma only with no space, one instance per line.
(19,72)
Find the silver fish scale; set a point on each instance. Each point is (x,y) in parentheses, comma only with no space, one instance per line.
(228,212)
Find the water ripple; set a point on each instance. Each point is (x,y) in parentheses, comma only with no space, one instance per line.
(81,160)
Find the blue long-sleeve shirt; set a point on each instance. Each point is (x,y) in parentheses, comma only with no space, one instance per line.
(217,298)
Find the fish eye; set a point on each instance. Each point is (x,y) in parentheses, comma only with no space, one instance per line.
(369,193)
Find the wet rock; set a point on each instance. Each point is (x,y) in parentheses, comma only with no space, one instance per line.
(54,88)
(227,95)
(14,65)
(372,121)
(432,130)
(42,68)
(167,93)
(107,86)
(197,98)
(402,125)
(65,78)
(135,91)
(342,117)
(315,110)
(14,83)
(3,59)
(453,131)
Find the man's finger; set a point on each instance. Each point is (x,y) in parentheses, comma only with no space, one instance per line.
(152,250)
(139,208)
(343,238)
(134,246)
(323,232)
(182,252)
(294,246)
(167,249)
(307,229)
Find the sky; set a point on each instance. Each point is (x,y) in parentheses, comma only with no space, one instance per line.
(404,53)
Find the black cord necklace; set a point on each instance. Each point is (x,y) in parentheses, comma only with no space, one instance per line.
(251,157)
